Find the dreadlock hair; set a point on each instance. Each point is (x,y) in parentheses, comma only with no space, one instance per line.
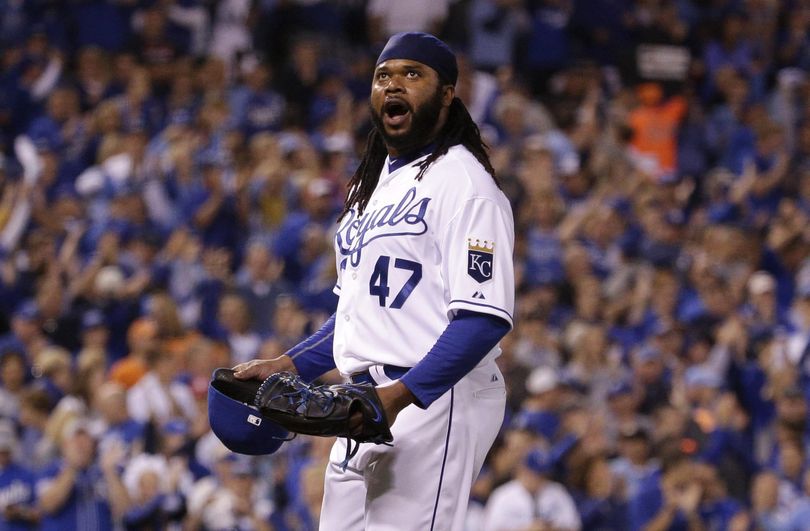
(459,129)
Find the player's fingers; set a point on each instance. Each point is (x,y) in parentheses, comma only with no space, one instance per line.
(246,371)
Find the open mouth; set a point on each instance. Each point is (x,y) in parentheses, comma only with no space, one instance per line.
(395,112)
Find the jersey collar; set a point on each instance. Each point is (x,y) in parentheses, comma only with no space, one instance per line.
(395,163)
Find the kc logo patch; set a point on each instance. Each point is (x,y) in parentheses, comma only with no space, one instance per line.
(479,259)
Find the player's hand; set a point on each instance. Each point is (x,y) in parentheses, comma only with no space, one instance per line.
(394,398)
(261,369)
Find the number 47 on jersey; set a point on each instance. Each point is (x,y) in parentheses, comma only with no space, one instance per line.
(378,284)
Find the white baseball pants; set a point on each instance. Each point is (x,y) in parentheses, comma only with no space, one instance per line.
(423,481)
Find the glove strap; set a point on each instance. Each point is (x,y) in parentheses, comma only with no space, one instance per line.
(350,452)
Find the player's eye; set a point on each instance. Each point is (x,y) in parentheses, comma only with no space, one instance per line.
(412,74)
(382,76)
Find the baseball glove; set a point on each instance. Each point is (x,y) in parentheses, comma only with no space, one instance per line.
(324,410)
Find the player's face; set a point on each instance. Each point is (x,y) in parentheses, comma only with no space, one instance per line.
(408,104)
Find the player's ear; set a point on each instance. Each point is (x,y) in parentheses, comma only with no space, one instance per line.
(448,93)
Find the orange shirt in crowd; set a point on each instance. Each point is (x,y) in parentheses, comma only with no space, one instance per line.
(655,125)
(128,371)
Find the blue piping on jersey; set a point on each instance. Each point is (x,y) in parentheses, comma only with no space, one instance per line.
(314,345)
(444,459)
(319,350)
(484,305)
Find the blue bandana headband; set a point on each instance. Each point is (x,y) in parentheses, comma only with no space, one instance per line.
(423,48)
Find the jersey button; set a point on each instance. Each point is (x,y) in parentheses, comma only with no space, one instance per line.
(346,317)
(354,276)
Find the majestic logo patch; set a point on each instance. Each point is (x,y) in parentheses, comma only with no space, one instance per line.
(253,419)
(479,259)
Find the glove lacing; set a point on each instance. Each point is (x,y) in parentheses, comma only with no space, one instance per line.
(325,399)
(300,397)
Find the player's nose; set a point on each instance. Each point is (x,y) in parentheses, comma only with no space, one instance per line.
(394,85)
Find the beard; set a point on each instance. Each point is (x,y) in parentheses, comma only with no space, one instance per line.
(423,122)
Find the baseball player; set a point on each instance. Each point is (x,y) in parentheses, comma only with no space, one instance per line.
(426,286)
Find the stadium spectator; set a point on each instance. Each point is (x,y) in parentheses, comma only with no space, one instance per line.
(82,489)
(230,498)
(159,396)
(13,373)
(532,499)
(155,499)
(16,485)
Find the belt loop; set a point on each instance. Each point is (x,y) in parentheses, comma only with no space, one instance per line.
(378,374)
(362,377)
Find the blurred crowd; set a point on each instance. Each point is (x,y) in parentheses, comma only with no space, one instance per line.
(170,176)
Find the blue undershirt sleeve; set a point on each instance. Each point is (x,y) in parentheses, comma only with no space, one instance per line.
(313,356)
(462,345)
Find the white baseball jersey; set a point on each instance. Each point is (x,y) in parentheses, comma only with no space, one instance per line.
(421,251)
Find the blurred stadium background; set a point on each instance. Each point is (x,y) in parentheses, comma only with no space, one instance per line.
(170,174)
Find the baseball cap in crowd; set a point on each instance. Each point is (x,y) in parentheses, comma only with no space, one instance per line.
(338,143)
(175,427)
(27,310)
(622,387)
(81,425)
(289,142)
(240,426)
(646,353)
(761,282)
(723,213)
(536,142)
(93,319)
(538,461)
(699,376)
(45,143)
(319,188)
(541,380)
(571,382)
(544,423)
(182,117)
(140,465)
(242,466)
(669,178)
(634,433)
